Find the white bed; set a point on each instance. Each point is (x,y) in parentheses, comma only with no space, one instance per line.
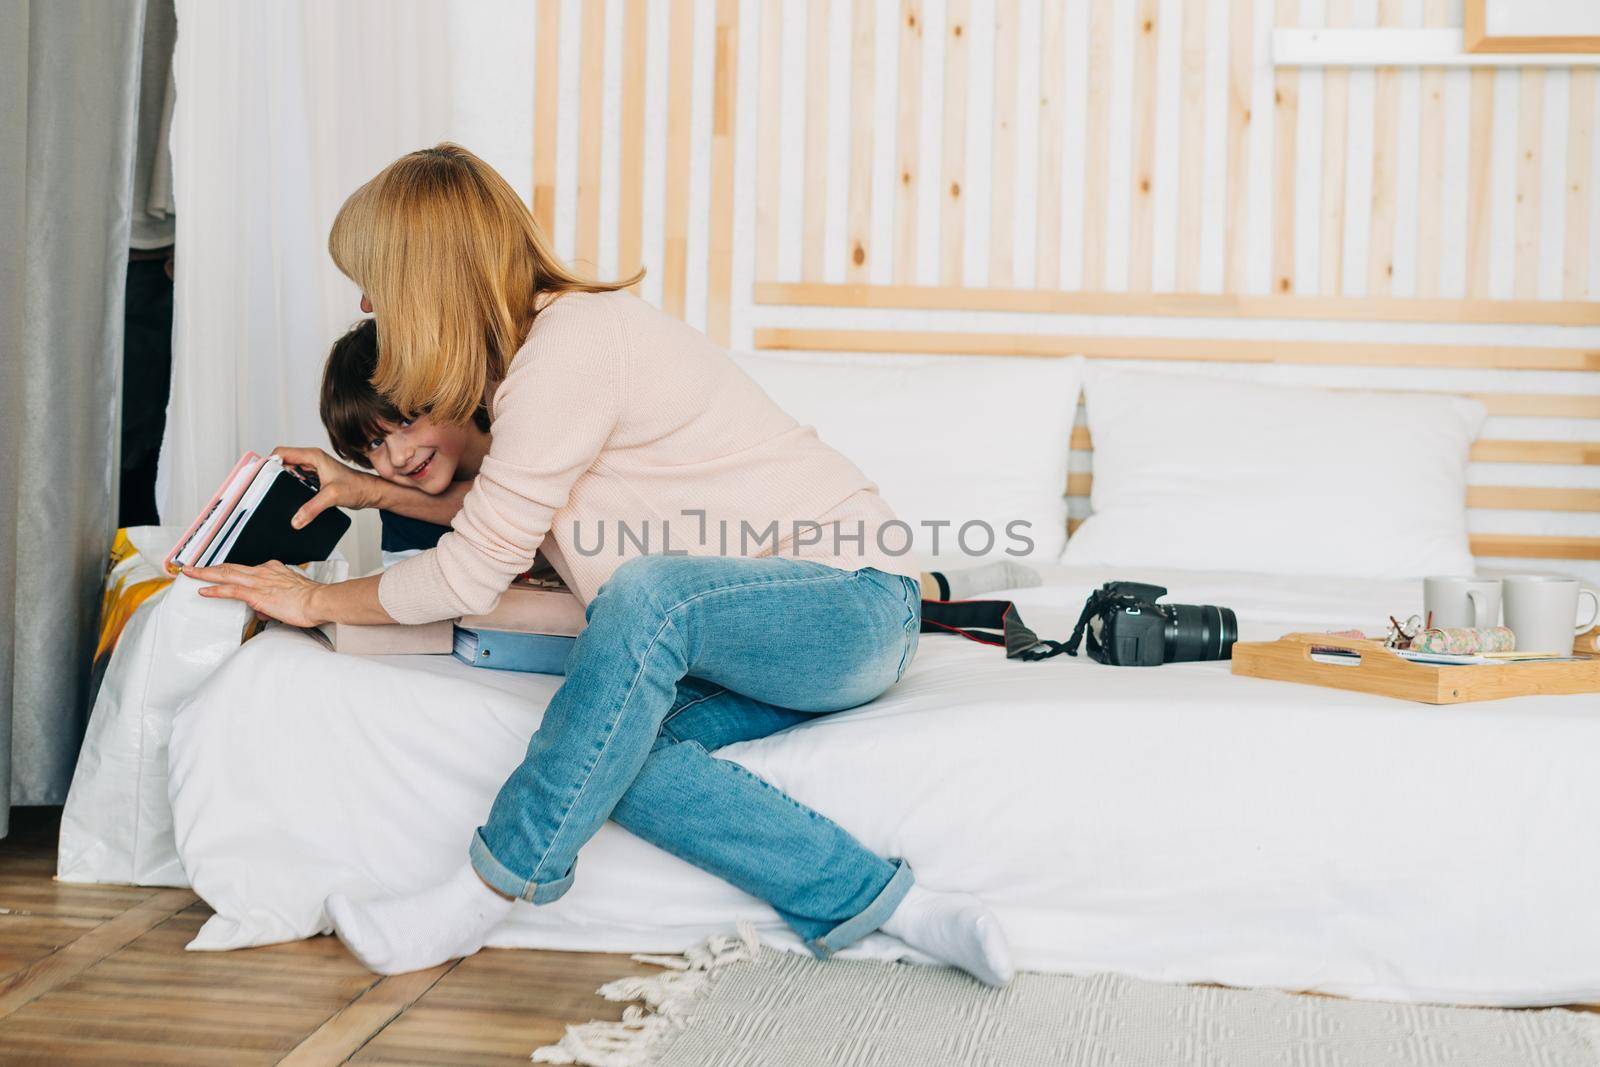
(1173,823)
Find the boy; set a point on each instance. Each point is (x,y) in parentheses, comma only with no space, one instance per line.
(420,469)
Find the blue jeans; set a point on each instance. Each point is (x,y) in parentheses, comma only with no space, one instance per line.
(682,655)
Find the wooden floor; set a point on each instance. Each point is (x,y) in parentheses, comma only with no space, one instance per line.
(99,975)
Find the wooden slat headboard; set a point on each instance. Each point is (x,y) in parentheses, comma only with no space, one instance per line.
(904,168)
(1212,350)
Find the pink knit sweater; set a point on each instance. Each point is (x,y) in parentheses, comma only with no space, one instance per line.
(620,431)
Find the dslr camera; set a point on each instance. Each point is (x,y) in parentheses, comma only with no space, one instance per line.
(1127,628)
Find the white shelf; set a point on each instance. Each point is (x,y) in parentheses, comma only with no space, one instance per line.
(1404,48)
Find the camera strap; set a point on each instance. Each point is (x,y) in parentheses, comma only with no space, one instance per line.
(988,622)
(1082,630)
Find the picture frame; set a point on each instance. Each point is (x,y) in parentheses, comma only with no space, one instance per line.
(1531,26)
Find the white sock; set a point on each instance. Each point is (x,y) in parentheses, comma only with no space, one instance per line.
(1001,574)
(393,935)
(956,929)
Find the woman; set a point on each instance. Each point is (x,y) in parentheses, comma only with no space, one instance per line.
(622,419)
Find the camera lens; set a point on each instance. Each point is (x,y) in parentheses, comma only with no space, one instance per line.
(1199,632)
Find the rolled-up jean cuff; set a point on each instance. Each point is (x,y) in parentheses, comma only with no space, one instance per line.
(873,916)
(501,877)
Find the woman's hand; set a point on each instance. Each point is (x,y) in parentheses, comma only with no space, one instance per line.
(272,589)
(340,485)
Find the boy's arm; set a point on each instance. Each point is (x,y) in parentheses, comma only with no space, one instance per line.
(415,504)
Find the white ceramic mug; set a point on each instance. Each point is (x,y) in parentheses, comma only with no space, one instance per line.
(1540,610)
(1449,601)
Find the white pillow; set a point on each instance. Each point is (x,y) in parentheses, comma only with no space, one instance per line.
(117,823)
(947,439)
(1203,474)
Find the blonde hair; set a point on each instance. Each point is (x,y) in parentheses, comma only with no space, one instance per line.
(453,263)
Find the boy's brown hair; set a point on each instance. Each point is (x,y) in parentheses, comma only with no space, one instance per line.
(353,412)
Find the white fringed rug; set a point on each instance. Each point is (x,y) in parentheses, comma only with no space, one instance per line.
(736,1004)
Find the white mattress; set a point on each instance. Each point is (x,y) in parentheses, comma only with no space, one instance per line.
(1173,823)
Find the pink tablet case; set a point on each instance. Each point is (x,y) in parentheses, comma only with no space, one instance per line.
(249,459)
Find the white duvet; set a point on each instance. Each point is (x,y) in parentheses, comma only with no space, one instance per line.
(1173,823)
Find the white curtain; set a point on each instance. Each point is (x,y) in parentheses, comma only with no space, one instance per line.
(283,109)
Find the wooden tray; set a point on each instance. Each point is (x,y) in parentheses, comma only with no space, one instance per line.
(1380,671)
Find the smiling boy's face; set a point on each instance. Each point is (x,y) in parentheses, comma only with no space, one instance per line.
(418,453)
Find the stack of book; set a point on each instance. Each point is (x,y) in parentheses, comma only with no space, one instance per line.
(247,520)
(532,628)
(428,639)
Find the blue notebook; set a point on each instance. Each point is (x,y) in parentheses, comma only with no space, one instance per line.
(504,650)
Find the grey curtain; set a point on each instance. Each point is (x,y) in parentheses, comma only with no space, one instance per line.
(68,78)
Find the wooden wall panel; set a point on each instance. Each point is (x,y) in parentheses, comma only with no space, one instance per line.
(1217,45)
(630,203)
(1385,179)
(1580,149)
(1052,116)
(1212,350)
(1478,172)
(725,94)
(859,227)
(1247,201)
(1118,222)
(1286,112)
(767,163)
(1002,181)
(680,74)
(816,140)
(1530,126)
(547,43)
(1430,167)
(1142,179)
(952,196)
(1578,501)
(590,132)
(1335,167)
(908,132)
(1097,150)
(1191,144)
(635,226)
(1241,36)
